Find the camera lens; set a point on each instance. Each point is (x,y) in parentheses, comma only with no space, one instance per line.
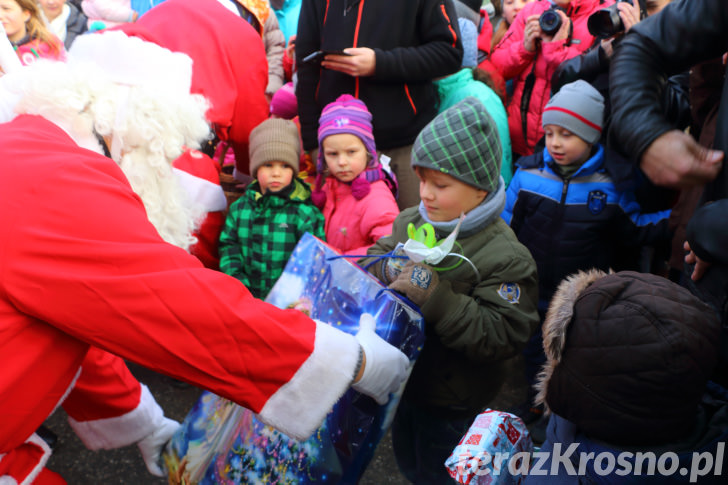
(605,22)
(550,22)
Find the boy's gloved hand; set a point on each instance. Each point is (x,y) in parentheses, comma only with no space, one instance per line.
(152,445)
(385,367)
(417,281)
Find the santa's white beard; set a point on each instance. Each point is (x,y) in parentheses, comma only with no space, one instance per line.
(166,202)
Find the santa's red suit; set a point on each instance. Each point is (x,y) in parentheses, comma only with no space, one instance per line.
(229,66)
(82,267)
(199,175)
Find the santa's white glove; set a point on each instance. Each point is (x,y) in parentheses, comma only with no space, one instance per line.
(385,367)
(152,445)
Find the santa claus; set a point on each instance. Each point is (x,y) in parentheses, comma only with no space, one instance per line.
(94,269)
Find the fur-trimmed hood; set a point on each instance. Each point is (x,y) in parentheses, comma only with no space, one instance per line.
(557,323)
(628,356)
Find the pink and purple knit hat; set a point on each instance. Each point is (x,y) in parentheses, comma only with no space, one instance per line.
(349,115)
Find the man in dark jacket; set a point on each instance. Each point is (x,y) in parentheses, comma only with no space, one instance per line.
(393,52)
(682,35)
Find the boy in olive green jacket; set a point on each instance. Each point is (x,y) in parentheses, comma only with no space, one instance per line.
(477,312)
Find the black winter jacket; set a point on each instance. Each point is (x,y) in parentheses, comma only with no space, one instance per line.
(414,41)
(685,33)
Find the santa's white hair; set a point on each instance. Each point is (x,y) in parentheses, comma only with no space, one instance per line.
(149,126)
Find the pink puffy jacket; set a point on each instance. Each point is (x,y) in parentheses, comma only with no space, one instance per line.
(353,225)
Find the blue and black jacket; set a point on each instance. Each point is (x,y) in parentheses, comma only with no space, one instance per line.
(575,223)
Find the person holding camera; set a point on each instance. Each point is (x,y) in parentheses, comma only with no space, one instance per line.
(609,25)
(543,35)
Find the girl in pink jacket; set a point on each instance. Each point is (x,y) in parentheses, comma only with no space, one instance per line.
(22,22)
(355,192)
(530,56)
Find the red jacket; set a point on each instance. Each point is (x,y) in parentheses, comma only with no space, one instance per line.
(81,266)
(512,59)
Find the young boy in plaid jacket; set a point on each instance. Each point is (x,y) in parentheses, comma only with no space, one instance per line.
(264,224)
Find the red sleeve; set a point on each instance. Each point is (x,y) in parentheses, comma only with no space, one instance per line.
(81,256)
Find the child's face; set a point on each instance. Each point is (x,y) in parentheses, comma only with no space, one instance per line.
(565,147)
(511,9)
(445,197)
(13,18)
(274,176)
(345,155)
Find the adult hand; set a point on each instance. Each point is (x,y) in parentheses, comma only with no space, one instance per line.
(359,62)
(531,33)
(291,48)
(700,266)
(630,14)
(417,281)
(676,160)
(607,47)
(152,445)
(385,366)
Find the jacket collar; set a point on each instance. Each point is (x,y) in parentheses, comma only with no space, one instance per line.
(594,164)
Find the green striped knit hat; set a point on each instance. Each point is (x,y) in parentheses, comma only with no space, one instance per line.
(462,142)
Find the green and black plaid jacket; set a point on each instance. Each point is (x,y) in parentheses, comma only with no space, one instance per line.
(262,230)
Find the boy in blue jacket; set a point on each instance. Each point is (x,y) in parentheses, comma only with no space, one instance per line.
(564,207)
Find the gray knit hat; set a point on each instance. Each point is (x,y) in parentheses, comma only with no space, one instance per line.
(579,108)
(274,140)
(462,142)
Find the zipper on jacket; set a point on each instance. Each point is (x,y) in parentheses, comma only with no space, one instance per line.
(356,36)
(558,223)
(449,25)
(564,190)
(348,6)
(409,98)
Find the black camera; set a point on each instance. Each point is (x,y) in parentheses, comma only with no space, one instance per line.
(606,22)
(550,21)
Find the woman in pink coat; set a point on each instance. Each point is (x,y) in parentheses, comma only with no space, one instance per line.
(355,192)
(530,56)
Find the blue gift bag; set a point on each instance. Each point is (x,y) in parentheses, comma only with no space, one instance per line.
(222,443)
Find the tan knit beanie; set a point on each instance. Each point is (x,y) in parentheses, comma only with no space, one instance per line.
(275,140)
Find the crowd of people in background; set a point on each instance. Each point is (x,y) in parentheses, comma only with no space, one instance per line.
(574,147)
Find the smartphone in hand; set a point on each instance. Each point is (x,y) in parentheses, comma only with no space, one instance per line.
(318,56)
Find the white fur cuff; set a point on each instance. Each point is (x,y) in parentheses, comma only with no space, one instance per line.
(299,407)
(121,430)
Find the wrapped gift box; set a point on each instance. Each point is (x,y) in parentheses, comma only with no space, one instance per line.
(222,443)
(494,441)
